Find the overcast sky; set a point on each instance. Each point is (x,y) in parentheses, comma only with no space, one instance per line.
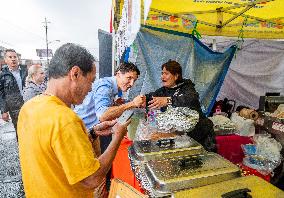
(76,21)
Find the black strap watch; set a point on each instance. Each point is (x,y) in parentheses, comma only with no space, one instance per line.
(169,101)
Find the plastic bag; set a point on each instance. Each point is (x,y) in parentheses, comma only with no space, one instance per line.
(244,127)
(267,147)
(144,130)
(264,155)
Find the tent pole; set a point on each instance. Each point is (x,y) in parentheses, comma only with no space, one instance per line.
(219,20)
(214,45)
(113,36)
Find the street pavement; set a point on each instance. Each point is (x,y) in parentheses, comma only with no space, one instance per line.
(10,172)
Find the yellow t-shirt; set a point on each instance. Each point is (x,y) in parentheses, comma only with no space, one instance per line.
(55,152)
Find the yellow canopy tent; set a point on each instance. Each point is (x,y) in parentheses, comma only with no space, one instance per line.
(263,19)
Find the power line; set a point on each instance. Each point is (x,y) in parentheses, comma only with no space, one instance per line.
(19,28)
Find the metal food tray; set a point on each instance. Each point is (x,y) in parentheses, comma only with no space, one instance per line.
(173,174)
(166,148)
(139,172)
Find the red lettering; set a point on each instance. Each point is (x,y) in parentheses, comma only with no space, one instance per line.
(263,24)
(173,19)
(154,18)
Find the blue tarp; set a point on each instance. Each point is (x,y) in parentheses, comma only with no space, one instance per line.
(206,68)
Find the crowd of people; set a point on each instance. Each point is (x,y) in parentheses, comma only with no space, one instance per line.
(66,127)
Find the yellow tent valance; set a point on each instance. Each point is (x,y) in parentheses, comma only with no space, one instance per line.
(264,18)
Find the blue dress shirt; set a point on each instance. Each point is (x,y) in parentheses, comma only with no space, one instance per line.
(98,100)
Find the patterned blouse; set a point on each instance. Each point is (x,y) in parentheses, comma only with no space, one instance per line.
(32,89)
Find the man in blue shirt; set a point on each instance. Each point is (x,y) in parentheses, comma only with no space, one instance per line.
(99,104)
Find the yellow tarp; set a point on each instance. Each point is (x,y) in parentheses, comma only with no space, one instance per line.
(259,18)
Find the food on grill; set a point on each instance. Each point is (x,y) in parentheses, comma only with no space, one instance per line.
(160,135)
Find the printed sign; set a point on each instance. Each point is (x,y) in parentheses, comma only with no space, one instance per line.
(42,53)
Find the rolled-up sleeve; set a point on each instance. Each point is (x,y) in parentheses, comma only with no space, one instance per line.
(103,98)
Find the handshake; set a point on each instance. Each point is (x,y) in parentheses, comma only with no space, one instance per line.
(142,101)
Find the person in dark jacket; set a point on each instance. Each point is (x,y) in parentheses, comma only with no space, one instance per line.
(180,92)
(12,81)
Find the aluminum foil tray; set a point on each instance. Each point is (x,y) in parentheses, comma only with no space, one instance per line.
(147,150)
(173,174)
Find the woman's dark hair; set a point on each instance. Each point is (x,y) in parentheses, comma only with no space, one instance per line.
(67,56)
(174,68)
(127,67)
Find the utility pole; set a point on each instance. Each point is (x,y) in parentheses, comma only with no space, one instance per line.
(46,39)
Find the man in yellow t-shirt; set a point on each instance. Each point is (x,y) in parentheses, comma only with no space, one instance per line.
(56,156)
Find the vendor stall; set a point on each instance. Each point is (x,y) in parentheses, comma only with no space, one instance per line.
(172,164)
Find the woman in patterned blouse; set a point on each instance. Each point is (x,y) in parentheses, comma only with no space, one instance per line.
(35,84)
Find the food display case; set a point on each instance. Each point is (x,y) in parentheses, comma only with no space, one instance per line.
(165,159)
(162,177)
(163,167)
